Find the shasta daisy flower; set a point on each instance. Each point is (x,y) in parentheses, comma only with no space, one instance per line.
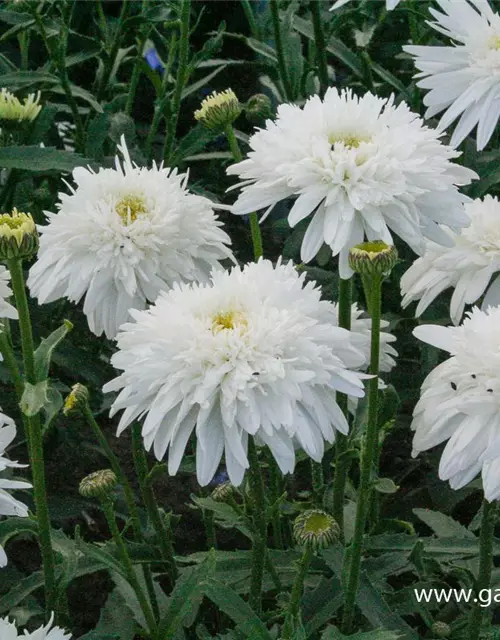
(468,266)
(120,237)
(389,4)
(460,401)
(9,506)
(8,631)
(361,167)
(253,353)
(464,77)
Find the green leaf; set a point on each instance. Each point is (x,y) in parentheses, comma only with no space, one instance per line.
(52,406)
(43,354)
(35,158)
(34,398)
(237,609)
(388,77)
(203,82)
(26,79)
(225,515)
(385,485)
(115,617)
(332,633)
(443,526)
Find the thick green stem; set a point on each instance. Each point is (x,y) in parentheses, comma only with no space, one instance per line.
(107,507)
(250,16)
(280,52)
(485,567)
(11,362)
(259,547)
(108,67)
(318,482)
(277,490)
(368,456)
(35,437)
(136,71)
(181,78)
(319,40)
(298,588)
(341,466)
(258,250)
(148,497)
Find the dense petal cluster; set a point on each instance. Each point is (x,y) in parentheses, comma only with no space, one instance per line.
(255,352)
(468,266)
(361,166)
(8,631)
(464,77)
(6,309)
(12,109)
(460,401)
(9,506)
(123,235)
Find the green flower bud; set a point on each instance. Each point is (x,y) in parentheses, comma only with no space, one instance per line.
(18,235)
(223,491)
(315,528)
(77,398)
(98,484)
(218,110)
(258,108)
(440,630)
(373,258)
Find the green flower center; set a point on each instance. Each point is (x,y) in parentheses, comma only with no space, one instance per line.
(130,207)
(317,524)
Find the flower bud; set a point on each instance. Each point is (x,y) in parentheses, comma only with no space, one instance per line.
(440,630)
(315,528)
(18,235)
(76,399)
(223,491)
(218,110)
(13,110)
(98,484)
(258,108)
(373,258)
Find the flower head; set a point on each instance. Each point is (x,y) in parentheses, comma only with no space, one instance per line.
(253,353)
(76,399)
(98,484)
(316,528)
(8,631)
(464,77)
(373,258)
(361,167)
(9,506)
(120,237)
(460,401)
(18,235)
(13,110)
(218,110)
(468,266)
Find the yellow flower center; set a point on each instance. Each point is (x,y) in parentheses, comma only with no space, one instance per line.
(228,320)
(130,207)
(494,42)
(16,225)
(350,141)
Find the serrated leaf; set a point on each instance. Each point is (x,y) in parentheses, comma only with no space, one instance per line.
(115,617)
(35,158)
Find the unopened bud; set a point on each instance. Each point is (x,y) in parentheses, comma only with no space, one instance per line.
(218,110)
(77,398)
(315,528)
(258,108)
(440,630)
(98,484)
(18,235)
(373,258)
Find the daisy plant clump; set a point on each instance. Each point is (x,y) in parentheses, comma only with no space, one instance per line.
(9,631)
(9,506)
(459,405)
(123,235)
(463,77)
(357,167)
(471,266)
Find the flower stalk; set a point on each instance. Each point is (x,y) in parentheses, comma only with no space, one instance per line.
(320,46)
(280,51)
(259,547)
(297,590)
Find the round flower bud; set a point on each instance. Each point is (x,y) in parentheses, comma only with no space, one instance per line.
(373,258)
(440,630)
(76,399)
(315,528)
(18,235)
(13,110)
(218,110)
(258,108)
(223,491)
(98,484)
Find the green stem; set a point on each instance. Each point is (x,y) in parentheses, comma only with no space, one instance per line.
(319,40)
(368,456)
(259,548)
(485,567)
(136,71)
(34,436)
(250,16)
(258,250)
(107,507)
(298,588)
(280,52)
(11,362)
(277,490)
(341,468)
(108,67)
(151,505)
(181,78)
(318,482)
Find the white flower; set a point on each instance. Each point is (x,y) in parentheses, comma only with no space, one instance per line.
(122,236)
(464,77)
(6,309)
(468,266)
(8,631)
(390,4)
(361,166)
(9,506)
(460,401)
(253,353)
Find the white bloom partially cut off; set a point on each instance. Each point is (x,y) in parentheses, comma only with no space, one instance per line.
(361,167)
(253,353)
(468,266)
(464,77)
(9,631)
(460,401)
(120,237)
(389,4)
